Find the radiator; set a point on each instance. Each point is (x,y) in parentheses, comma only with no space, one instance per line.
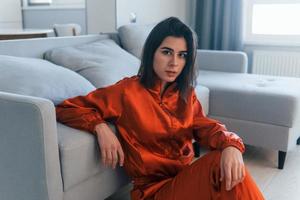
(278,63)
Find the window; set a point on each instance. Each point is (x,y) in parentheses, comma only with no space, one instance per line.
(274,22)
(54,3)
(38,2)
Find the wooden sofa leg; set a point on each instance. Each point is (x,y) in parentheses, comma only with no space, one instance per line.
(281,159)
(196,147)
(298,141)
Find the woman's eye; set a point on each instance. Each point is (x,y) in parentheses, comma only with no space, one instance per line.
(167,52)
(183,55)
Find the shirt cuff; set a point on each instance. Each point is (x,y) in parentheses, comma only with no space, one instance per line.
(92,121)
(236,143)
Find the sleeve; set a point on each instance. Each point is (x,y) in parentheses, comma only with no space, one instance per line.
(211,133)
(85,112)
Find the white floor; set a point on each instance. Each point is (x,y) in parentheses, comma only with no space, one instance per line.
(275,184)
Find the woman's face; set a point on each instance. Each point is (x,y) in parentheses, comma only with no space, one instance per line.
(170,58)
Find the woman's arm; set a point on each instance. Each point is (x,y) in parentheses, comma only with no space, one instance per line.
(111,149)
(85,112)
(90,112)
(211,133)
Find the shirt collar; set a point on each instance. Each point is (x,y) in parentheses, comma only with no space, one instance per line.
(156,89)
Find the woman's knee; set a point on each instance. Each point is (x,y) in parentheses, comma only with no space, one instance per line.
(212,156)
(207,163)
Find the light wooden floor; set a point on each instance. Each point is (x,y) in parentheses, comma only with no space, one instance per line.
(274,183)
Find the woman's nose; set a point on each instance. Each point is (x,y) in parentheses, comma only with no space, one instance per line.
(174,60)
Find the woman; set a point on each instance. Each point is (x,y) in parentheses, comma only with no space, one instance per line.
(157,115)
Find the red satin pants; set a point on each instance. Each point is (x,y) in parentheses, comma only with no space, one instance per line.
(200,181)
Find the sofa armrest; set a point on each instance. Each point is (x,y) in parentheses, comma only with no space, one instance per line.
(29,155)
(224,61)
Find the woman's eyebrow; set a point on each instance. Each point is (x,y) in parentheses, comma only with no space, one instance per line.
(170,49)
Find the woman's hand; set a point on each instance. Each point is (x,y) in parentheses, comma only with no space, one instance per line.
(111,149)
(232,167)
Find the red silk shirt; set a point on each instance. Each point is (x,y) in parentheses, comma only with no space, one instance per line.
(156,131)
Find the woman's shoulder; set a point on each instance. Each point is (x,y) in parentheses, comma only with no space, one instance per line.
(130,86)
(192,96)
(128,80)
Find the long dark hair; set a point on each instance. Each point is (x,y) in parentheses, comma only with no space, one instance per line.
(171,26)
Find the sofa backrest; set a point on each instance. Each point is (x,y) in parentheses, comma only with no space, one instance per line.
(102,62)
(133,36)
(222,61)
(40,78)
(37,47)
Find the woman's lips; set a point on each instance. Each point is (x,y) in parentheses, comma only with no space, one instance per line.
(171,73)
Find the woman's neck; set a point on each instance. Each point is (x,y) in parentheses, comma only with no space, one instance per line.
(164,86)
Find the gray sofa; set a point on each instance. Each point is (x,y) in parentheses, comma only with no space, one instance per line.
(40,158)
(43,159)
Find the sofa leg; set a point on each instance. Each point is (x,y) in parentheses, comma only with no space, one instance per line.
(298,141)
(281,159)
(196,147)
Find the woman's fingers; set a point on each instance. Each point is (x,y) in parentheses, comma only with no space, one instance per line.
(222,172)
(228,177)
(232,176)
(121,156)
(118,155)
(103,155)
(237,175)
(114,158)
(233,167)
(235,178)
(111,150)
(109,158)
(240,173)
(106,155)
(243,172)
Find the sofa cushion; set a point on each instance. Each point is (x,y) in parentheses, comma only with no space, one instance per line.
(103,62)
(40,78)
(252,97)
(79,155)
(203,96)
(133,37)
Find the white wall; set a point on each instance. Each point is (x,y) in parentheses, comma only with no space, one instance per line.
(151,11)
(108,15)
(101,16)
(10,14)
